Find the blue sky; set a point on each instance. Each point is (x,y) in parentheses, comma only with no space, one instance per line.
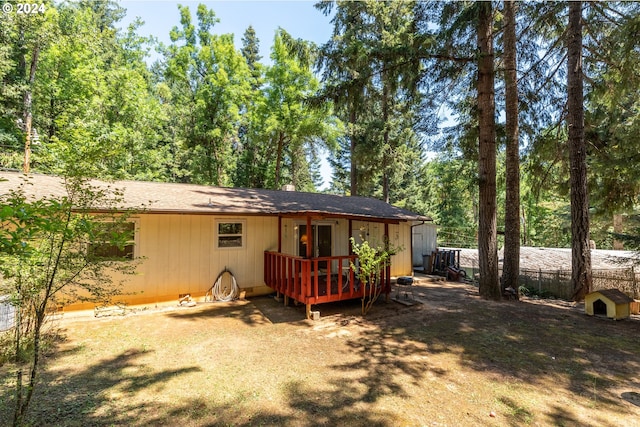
(299,18)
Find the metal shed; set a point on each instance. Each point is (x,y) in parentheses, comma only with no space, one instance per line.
(423,242)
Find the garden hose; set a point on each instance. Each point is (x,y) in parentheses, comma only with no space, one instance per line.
(225,293)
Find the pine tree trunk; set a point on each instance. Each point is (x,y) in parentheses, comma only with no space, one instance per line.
(580,251)
(28,117)
(511,264)
(385,138)
(487,240)
(352,154)
(279,155)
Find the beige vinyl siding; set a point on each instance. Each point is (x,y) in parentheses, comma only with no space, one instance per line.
(288,236)
(400,236)
(180,256)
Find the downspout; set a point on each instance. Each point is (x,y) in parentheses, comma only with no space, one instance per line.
(411,243)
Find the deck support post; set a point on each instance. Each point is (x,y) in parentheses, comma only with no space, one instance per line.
(308,311)
(286,300)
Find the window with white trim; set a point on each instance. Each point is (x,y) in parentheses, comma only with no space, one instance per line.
(230,234)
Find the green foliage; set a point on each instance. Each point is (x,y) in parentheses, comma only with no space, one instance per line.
(371,263)
(371,72)
(45,262)
(295,130)
(209,82)
(532,292)
(613,109)
(629,235)
(93,110)
(43,245)
(207,112)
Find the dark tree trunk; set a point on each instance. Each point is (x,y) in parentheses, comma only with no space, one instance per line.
(385,138)
(580,251)
(511,264)
(487,240)
(279,155)
(352,153)
(28,117)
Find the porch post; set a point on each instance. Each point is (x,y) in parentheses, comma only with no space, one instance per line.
(387,272)
(280,234)
(350,236)
(309,238)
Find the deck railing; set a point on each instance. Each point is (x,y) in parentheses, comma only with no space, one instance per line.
(314,280)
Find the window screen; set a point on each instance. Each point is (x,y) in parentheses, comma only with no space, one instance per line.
(231,234)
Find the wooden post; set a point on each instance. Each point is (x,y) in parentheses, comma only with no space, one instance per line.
(350,236)
(309,238)
(387,273)
(280,234)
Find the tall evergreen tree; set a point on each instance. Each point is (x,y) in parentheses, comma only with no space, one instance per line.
(371,68)
(580,249)
(487,227)
(345,65)
(612,116)
(251,52)
(252,167)
(511,263)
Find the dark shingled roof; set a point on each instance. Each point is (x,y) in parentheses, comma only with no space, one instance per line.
(615,295)
(160,197)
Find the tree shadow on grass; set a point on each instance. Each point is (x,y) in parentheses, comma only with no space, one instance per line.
(339,405)
(240,310)
(306,406)
(539,344)
(392,357)
(389,363)
(83,397)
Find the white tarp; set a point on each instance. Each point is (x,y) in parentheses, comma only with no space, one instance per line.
(7,314)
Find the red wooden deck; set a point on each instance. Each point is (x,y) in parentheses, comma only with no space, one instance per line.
(315,280)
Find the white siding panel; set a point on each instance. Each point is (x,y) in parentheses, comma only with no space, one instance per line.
(424,241)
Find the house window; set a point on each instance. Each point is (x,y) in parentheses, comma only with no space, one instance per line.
(230,234)
(107,250)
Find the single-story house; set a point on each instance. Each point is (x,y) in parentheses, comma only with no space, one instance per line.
(295,243)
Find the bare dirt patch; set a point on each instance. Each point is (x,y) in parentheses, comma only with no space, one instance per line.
(452,359)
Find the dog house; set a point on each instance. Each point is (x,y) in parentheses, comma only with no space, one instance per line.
(611,303)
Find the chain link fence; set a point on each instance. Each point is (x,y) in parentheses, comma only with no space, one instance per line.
(557,283)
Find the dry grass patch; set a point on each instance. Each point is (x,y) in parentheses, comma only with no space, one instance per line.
(452,360)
